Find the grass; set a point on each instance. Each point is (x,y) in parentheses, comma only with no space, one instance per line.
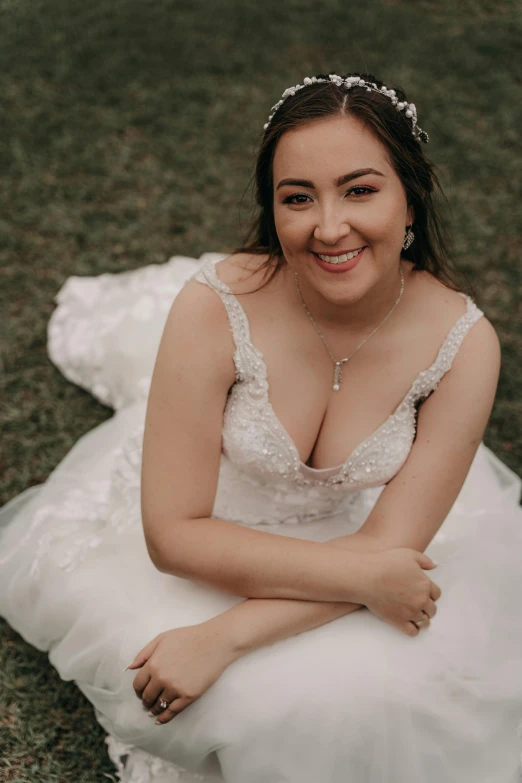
(127,135)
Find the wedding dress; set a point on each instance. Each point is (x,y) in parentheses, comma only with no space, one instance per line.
(353,701)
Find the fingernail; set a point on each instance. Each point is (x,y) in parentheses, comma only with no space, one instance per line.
(125,669)
(435,562)
(158,723)
(151,714)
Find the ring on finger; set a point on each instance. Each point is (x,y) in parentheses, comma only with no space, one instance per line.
(168,714)
(163,704)
(419,623)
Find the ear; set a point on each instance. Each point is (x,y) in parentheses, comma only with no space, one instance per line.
(410,215)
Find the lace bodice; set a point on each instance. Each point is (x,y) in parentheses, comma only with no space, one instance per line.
(262,480)
(257,444)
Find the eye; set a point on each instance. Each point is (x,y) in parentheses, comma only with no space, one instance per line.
(365,188)
(357,190)
(290,199)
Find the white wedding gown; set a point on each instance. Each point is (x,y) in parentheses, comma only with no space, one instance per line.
(353,701)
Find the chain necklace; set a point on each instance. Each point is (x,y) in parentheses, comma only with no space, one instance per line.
(338,365)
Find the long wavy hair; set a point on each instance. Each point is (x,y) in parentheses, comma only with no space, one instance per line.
(431,249)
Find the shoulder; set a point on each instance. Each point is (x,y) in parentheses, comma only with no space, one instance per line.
(197,306)
(202,301)
(244,272)
(434,302)
(202,306)
(443,307)
(479,355)
(436,310)
(458,411)
(198,326)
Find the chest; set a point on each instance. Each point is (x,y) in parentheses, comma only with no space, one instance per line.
(257,441)
(324,425)
(282,416)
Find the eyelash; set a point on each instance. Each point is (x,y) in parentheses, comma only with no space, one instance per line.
(288,199)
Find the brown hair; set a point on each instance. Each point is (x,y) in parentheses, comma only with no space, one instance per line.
(431,248)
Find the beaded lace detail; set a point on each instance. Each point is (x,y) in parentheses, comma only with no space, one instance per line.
(255,440)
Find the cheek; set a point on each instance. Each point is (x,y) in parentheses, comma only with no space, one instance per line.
(292,227)
(385,221)
(384,229)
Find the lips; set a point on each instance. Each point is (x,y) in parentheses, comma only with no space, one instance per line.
(340,258)
(337,267)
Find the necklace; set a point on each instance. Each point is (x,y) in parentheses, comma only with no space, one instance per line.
(338,365)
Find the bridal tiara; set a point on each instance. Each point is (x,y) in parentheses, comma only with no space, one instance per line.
(357,81)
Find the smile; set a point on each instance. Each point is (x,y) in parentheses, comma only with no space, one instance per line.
(340,259)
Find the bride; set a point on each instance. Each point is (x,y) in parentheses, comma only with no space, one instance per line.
(293,559)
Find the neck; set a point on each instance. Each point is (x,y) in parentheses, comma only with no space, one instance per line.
(354,317)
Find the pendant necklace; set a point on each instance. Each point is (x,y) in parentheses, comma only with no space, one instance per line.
(338,365)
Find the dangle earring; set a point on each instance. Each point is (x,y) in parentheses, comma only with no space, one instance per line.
(408,239)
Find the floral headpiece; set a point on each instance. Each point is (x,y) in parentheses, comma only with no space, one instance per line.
(357,81)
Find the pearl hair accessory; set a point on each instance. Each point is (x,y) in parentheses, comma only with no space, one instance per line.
(357,81)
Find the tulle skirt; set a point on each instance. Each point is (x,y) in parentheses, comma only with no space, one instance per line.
(353,701)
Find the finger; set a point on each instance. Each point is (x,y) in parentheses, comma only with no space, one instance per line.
(151,693)
(422,622)
(144,654)
(435,592)
(425,562)
(174,708)
(430,608)
(140,682)
(405,627)
(167,696)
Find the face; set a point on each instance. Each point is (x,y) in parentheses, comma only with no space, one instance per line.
(328,202)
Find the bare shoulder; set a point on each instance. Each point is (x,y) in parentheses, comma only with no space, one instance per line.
(481,352)
(198,330)
(443,307)
(244,272)
(200,308)
(199,305)
(441,304)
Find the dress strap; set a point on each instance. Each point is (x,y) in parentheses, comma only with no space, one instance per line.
(246,356)
(458,332)
(428,380)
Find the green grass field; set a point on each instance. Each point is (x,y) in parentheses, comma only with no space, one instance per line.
(127,135)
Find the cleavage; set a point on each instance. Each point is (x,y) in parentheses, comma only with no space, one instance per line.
(335,422)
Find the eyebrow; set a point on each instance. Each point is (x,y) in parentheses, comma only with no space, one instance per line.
(305,183)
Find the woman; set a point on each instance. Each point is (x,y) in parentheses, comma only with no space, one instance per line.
(335,338)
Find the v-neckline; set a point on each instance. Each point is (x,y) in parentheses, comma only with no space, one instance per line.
(211,265)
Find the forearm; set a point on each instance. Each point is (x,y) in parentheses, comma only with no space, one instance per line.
(359,542)
(258,622)
(257,564)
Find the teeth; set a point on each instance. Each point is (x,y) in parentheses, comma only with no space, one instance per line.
(340,259)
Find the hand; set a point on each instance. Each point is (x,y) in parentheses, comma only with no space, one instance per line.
(178,666)
(398,591)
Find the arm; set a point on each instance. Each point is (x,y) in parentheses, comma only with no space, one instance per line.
(450,427)
(181,458)
(411,508)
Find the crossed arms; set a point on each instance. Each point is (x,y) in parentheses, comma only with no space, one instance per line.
(294,585)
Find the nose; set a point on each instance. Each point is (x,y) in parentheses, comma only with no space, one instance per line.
(332,226)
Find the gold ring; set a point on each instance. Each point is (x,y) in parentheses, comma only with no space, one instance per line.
(418,623)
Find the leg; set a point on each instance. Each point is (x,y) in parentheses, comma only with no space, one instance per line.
(357,701)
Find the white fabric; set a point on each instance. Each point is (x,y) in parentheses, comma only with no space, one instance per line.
(354,701)
(105,332)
